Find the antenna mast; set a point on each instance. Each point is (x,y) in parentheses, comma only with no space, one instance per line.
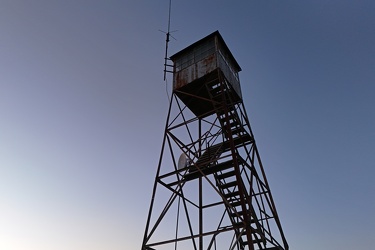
(168,35)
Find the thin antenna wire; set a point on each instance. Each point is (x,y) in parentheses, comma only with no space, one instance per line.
(169,17)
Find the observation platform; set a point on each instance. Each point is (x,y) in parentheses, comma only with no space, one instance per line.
(205,74)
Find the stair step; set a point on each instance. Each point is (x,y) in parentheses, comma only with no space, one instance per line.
(242,139)
(237,130)
(240,213)
(224,165)
(228,185)
(255,241)
(226,175)
(223,113)
(232,123)
(230,112)
(235,203)
(240,224)
(231,194)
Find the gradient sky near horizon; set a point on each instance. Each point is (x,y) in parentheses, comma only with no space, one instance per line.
(83,106)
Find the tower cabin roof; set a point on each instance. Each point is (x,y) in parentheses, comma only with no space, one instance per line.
(222,46)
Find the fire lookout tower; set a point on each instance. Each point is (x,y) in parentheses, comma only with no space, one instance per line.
(210,189)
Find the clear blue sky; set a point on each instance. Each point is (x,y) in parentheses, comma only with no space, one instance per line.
(83,106)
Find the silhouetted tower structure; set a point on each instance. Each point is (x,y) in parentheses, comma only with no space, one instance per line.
(210,189)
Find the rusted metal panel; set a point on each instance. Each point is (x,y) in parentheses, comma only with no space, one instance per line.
(195,71)
(207,65)
(183,77)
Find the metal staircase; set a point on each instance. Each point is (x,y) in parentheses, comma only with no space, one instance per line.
(226,171)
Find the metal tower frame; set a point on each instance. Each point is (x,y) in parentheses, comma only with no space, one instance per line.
(210,189)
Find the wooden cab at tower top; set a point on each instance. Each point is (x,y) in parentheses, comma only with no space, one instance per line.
(200,68)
